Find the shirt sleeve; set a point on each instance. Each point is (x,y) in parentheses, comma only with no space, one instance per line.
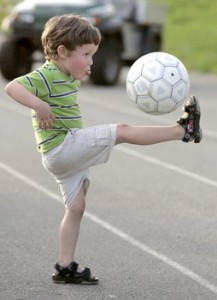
(34,84)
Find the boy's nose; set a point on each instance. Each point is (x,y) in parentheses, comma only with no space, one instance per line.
(91,62)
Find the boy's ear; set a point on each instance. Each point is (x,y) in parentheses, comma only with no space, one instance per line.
(62,51)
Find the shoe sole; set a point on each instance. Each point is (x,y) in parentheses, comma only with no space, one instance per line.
(197,129)
(74,281)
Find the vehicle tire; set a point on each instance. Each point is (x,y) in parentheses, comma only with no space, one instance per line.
(107,63)
(15,58)
(152,41)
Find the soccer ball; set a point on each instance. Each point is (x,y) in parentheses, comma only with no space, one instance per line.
(157,83)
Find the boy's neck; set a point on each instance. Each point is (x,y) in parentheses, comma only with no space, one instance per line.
(59,66)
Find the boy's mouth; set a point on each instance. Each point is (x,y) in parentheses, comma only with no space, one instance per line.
(88,72)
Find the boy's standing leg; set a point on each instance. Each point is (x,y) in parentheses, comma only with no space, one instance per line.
(69,229)
(67,270)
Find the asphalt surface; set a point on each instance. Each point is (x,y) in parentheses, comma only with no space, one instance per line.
(149,231)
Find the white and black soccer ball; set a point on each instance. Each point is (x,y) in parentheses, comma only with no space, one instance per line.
(157,83)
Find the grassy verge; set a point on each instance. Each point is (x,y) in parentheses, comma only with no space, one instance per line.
(5,6)
(190,33)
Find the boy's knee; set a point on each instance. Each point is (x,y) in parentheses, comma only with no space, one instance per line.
(77,207)
(122,133)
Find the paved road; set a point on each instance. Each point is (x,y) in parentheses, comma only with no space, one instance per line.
(150,227)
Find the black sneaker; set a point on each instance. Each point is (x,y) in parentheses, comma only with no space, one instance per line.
(190,120)
(70,274)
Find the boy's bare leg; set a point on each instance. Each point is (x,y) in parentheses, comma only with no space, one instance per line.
(187,130)
(148,135)
(69,229)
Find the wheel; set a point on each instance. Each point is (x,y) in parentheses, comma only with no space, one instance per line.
(15,58)
(107,63)
(151,41)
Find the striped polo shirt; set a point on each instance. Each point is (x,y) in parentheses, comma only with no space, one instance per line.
(60,91)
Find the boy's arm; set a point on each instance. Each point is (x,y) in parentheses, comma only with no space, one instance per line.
(42,109)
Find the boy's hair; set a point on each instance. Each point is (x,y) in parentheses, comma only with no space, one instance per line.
(68,30)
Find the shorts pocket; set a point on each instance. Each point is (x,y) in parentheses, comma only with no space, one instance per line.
(98,136)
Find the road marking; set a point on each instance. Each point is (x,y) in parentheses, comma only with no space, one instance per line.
(165,165)
(119,233)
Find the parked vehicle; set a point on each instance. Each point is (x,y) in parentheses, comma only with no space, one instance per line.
(130,28)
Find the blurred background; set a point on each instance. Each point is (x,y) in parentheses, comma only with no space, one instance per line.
(189,31)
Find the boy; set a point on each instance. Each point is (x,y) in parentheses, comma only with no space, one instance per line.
(67,149)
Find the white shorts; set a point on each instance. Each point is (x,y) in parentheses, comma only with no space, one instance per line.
(70,161)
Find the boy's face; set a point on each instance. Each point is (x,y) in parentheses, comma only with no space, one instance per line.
(78,62)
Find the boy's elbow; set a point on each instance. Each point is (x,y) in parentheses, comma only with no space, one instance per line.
(10,87)
(7,89)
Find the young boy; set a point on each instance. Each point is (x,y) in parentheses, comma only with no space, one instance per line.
(67,149)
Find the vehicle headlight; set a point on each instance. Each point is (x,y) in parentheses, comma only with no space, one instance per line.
(26,18)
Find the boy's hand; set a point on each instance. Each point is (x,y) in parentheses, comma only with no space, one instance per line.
(42,109)
(44,115)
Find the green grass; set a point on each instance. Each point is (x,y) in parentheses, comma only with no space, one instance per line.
(5,6)
(190,32)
